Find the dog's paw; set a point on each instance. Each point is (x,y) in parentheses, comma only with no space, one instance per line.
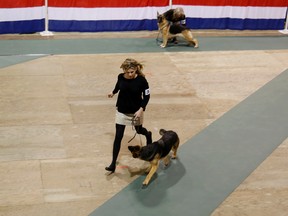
(146,181)
(162,46)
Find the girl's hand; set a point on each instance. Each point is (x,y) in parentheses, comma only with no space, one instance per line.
(110,95)
(138,114)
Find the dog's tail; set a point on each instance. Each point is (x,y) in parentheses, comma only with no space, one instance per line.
(162,131)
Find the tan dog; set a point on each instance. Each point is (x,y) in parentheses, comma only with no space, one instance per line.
(157,151)
(169,30)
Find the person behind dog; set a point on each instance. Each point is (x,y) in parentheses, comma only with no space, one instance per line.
(176,16)
(133,97)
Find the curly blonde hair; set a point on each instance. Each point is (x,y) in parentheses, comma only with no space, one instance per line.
(132,63)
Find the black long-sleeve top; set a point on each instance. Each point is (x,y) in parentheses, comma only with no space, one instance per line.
(133,93)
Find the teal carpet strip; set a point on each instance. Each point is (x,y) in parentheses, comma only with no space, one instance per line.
(130,45)
(214,162)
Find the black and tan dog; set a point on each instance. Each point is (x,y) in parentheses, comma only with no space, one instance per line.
(156,151)
(169,30)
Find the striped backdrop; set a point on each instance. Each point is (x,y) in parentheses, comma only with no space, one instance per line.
(234,14)
(28,16)
(22,16)
(108,15)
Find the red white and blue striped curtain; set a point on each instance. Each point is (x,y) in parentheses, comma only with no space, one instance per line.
(22,16)
(28,16)
(104,15)
(234,14)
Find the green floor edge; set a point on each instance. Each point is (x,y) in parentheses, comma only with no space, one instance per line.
(130,45)
(18,51)
(214,162)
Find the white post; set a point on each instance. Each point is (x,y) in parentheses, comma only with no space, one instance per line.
(285,30)
(46,32)
(170,3)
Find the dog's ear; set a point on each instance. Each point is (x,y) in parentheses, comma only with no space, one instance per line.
(160,18)
(158,13)
(131,148)
(135,151)
(134,148)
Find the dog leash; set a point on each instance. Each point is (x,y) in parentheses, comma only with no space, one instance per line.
(133,128)
(132,137)
(159,31)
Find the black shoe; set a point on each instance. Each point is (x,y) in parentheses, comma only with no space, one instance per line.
(111,168)
(149,138)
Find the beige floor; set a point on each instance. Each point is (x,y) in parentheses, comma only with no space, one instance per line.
(56,125)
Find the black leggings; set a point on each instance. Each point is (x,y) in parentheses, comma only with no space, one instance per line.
(118,138)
